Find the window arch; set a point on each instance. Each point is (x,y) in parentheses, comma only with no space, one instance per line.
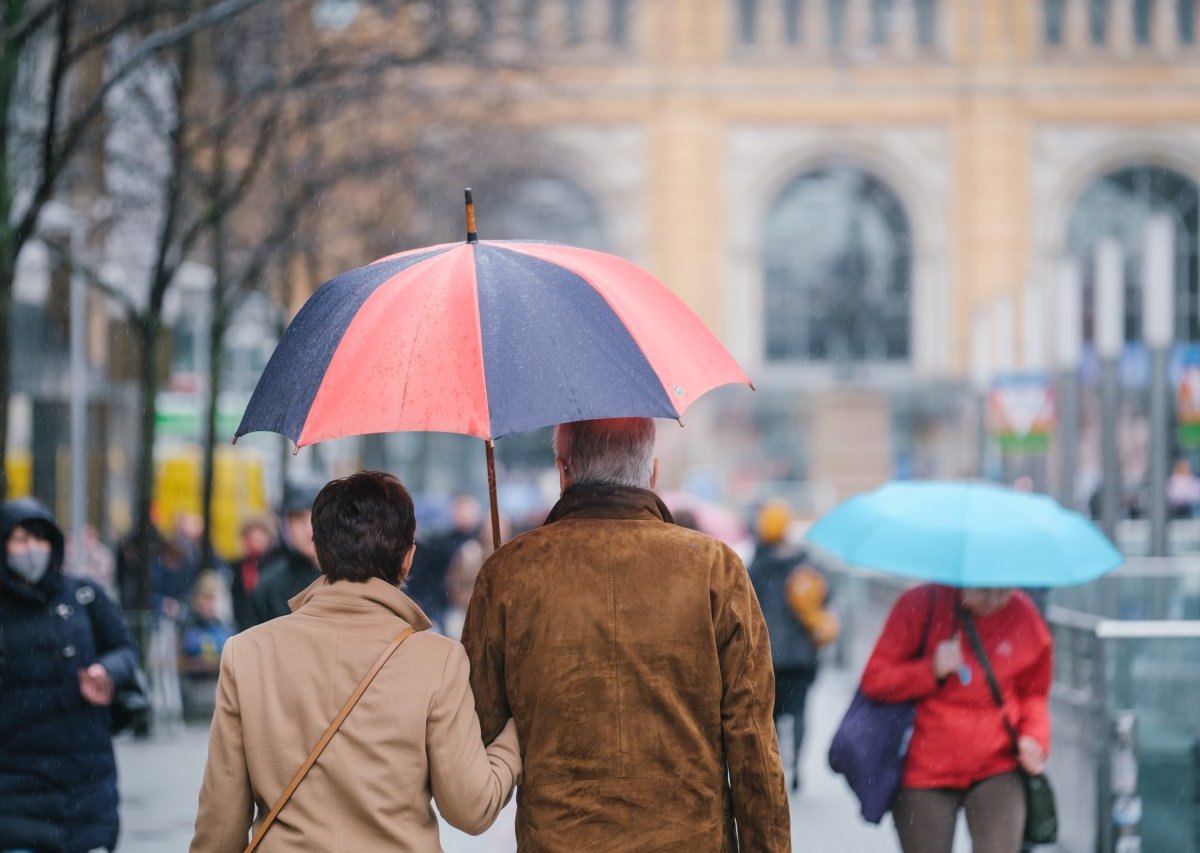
(1118,205)
(838,269)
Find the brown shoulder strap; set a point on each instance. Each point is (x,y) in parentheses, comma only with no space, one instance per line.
(327,737)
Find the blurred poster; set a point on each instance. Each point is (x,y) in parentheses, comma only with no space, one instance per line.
(1187,397)
(1021,414)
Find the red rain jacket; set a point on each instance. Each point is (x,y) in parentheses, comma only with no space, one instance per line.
(959,736)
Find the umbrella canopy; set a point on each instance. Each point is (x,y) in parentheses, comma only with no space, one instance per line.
(966,535)
(485,339)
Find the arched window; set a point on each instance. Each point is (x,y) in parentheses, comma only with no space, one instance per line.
(1118,205)
(540,207)
(838,269)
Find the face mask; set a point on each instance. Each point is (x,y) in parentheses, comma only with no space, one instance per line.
(29,565)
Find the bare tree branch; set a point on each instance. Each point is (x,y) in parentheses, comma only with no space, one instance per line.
(74,132)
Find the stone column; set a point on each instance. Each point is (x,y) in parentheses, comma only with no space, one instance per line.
(1075,25)
(903,36)
(816,28)
(1164,27)
(553,22)
(1120,27)
(856,31)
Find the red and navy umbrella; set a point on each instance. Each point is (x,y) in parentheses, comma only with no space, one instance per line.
(485,338)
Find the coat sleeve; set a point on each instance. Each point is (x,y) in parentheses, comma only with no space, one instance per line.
(470,784)
(226,800)
(114,647)
(894,672)
(1033,690)
(483,638)
(760,801)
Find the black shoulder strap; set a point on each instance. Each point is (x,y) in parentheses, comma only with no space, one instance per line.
(932,597)
(989,673)
(85,596)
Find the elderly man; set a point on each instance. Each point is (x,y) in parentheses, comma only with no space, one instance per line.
(634,659)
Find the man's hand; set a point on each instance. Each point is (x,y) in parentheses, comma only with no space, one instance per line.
(947,658)
(1030,755)
(95,685)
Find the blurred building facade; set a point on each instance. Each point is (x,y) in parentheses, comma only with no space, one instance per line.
(839,186)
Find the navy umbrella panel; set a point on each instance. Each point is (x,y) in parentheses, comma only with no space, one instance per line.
(485,339)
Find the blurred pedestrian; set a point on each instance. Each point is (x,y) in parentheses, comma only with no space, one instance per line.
(427,585)
(413,736)
(94,562)
(64,652)
(633,657)
(1183,490)
(962,754)
(793,595)
(462,572)
(257,538)
(292,566)
(204,631)
(173,574)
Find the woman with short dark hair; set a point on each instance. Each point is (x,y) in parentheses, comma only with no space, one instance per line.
(413,735)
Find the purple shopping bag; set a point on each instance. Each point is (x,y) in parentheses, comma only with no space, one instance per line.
(871,743)
(869,750)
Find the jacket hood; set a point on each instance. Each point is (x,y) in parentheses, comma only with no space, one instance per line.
(14,513)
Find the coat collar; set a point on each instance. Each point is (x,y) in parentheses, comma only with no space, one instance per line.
(322,596)
(610,502)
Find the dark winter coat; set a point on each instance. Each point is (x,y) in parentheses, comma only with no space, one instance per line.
(791,645)
(58,776)
(283,574)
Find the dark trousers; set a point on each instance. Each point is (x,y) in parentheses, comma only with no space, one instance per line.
(995,809)
(791,698)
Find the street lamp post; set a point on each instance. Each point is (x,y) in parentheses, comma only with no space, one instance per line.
(1110,340)
(1158,318)
(1068,317)
(1034,356)
(78,389)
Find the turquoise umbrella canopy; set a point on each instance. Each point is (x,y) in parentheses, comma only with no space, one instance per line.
(966,535)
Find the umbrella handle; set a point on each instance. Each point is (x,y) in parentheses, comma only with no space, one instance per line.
(491,469)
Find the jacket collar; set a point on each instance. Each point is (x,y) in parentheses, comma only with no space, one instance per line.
(324,596)
(610,502)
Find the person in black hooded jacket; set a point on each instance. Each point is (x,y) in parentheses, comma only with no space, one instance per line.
(64,652)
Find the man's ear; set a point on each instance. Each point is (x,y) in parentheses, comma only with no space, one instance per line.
(564,479)
(654,475)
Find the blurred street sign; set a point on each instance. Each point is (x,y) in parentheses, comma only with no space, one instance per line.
(1021,413)
(1187,397)
(181,416)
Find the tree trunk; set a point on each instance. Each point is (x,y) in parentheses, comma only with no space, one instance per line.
(7,275)
(9,246)
(215,338)
(218,319)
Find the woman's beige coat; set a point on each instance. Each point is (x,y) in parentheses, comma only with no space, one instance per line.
(413,735)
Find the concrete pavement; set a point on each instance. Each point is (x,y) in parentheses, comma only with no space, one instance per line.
(160,779)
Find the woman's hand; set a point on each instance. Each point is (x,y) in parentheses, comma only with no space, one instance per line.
(96,686)
(1030,755)
(947,658)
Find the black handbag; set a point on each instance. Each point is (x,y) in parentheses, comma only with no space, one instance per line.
(130,707)
(1041,812)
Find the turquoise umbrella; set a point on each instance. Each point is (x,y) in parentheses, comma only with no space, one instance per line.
(966,535)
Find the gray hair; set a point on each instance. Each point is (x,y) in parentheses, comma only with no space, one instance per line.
(612,452)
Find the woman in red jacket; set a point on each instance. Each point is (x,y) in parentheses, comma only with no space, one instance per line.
(961,755)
